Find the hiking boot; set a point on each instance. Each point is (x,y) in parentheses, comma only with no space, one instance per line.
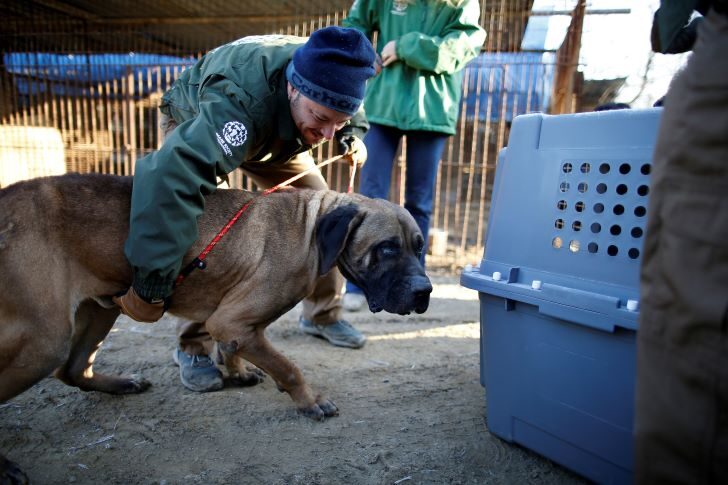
(353,302)
(198,372)
(339,333)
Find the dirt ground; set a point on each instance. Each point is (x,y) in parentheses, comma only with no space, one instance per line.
(412,411)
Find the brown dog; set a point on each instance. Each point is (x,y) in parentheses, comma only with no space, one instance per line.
(61,259)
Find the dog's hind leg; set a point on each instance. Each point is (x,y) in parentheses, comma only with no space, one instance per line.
(25,356)
(92,324)
(24,361)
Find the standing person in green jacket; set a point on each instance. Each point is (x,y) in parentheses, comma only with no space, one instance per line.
(424,45)
(260,103)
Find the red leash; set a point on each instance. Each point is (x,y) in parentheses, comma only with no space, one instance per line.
(199,261)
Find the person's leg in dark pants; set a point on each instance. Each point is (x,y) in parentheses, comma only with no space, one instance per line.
(424,149)
(376,174)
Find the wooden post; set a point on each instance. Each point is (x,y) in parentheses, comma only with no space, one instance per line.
(131,120)
(567,62)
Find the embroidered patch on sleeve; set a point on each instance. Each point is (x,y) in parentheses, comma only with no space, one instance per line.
(233,133)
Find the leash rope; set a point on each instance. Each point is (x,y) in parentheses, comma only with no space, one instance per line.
(199,261)
(351,179)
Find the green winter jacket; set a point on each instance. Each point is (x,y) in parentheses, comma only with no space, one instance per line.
(435,39)
(231,107)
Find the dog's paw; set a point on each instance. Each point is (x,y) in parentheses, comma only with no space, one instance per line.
(134,384)
(328,407)
(252,377)
(322,409)
(314,412)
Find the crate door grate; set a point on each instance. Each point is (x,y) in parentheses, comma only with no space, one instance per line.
(601,211)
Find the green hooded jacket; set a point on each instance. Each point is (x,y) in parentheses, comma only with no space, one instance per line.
(231,107)
(435,39)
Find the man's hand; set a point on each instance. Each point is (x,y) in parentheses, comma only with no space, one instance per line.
(135,307)
(377,65)
(389,53)
(353,148)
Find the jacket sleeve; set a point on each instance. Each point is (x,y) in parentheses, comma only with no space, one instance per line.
(170,185)
(362,16)
(672,31)
(458,44)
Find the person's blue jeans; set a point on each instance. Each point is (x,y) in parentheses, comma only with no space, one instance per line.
(424,149)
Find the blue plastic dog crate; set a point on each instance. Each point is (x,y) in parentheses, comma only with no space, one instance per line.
(559,287)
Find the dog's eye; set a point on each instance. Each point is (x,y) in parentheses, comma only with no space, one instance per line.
(388,250)
(391,252)
(419,246)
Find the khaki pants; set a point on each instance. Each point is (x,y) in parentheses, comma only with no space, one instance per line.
(681,421)
(323,305)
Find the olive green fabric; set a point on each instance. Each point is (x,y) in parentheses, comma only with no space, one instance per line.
(681,411)
(231,107)
(435,39)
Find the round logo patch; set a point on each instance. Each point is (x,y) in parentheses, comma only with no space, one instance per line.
(235,133)
(400,6)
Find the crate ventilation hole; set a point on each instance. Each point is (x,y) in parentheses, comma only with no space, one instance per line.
(619,209)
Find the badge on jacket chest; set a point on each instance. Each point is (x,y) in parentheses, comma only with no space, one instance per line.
(399,7)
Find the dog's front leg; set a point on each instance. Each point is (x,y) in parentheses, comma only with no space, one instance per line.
(238,368)
(255,348)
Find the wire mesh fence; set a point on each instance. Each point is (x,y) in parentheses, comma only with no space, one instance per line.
(80,86)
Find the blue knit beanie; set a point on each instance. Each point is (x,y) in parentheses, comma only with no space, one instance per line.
(332,68)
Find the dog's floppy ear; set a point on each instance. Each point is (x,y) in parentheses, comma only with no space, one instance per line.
(332,230)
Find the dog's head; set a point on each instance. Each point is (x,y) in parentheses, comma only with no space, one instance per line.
(376,245)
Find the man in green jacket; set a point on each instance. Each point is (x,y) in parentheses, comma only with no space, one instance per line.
(424,46)
(260,103)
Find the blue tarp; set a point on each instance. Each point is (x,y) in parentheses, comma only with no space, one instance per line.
(504,85)
(496,84)
(77,74)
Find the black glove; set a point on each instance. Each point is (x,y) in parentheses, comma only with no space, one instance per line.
(353,148)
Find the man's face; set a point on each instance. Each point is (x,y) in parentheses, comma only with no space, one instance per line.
(315,122)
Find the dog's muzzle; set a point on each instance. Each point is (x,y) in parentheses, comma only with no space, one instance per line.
(404,297)
(421,289)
